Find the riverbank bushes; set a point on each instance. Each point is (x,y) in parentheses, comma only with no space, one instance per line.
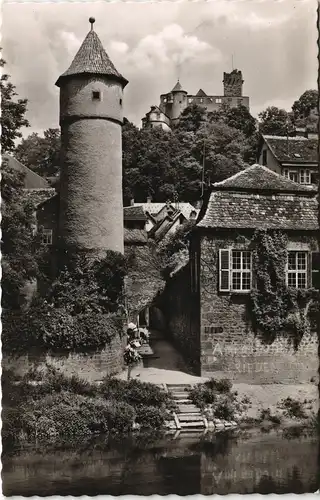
(216,399)
(48,406)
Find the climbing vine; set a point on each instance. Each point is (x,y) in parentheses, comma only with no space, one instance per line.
(275,308)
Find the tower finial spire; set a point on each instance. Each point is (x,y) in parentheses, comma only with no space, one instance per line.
(92,21)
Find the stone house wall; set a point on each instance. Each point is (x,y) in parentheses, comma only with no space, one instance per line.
(229,347)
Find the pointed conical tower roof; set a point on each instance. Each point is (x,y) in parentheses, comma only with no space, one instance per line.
(91,58)
(178,87)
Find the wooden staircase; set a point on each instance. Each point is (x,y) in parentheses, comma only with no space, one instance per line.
(187,417)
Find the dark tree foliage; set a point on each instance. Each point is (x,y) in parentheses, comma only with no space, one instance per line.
(192,118)
(306,104)
(41,154)
(19,264)
(274,121)
(239,118)
(12,113)
(165,165)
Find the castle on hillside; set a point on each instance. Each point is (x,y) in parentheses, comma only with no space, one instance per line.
(173,103)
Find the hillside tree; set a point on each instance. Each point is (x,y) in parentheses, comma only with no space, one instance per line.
(12,113)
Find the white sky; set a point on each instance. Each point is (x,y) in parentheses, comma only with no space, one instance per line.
(273,42)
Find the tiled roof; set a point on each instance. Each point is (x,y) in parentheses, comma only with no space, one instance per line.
(260,178)
(134,213)
(177,87)
(135,236)
(154,208)
(54,199)
(293,149)
(91,58)
(31,179)
(247,210)
(38,196)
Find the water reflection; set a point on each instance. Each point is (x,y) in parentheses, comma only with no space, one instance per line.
(144,465)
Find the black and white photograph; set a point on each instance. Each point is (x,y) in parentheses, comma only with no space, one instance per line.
(160,247)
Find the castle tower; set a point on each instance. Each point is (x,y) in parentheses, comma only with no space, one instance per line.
(91,94)
(232,83)
(179,101)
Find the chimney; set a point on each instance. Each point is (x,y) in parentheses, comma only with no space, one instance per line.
(149,199)
(132,202)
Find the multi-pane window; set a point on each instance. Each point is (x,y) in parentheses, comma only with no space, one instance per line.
(292,175)
(46,236)
(297,267)
(218,100)
(305,177)
(235,270)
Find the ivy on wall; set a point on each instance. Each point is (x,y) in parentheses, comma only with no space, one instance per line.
(276,309)
(80,310)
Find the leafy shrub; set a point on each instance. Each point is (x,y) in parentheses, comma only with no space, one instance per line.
(204,394)
(67,416)
(150,417)
(81,310)
(224,408)
(201,395)
(265,414)
(11,423)
(222,386)
(275,419)
(293,408)
(134,392)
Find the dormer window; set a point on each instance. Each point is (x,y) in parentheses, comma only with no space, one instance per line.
(96,95)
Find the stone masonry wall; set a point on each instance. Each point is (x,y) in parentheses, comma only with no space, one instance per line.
(229,347)
(232,83)
(90,367)
(181,310)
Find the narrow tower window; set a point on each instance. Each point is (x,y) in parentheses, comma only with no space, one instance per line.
(96,95)
(120,102)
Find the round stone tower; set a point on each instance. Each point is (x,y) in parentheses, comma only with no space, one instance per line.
(179,101)
(91,101)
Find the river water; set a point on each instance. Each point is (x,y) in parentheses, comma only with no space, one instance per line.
(246,462)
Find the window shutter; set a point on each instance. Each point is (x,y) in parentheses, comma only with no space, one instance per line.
(315,270)
(224,270)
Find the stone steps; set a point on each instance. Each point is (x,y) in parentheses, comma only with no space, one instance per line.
(186,417)
(180,395)
(199,424)
(187,409)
